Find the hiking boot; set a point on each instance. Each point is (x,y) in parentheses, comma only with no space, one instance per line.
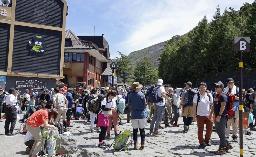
(220,151)
(248,133)
(135,146)
(142,145)
(103,144)
(228,147)
(185,129)
(201,146)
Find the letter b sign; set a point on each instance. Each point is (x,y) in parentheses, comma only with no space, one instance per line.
(242,44)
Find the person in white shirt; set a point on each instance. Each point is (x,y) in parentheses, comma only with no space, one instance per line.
(202,109)
(10,112)
(159,107)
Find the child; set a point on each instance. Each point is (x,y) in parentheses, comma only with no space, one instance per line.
(79,111)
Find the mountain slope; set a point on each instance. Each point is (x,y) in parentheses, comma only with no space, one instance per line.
(152,53)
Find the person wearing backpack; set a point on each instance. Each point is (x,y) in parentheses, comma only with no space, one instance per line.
(187,106)
(160,96)
(202,107)
(150,101)
(93,107)
(232,93)
(137,104)
(60,102)
(175,107)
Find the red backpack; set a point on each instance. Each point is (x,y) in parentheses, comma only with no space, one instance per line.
(230,105)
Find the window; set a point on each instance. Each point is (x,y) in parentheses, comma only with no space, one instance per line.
(74,57)
(66,57)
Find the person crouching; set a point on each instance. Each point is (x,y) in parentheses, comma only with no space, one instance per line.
(34,124)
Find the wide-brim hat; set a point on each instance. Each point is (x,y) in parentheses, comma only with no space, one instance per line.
(136,85)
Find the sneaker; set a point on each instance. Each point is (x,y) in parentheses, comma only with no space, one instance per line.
(102,145)
(228,147)
(201,146)
(208,143)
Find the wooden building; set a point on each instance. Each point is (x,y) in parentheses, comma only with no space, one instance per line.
(85,59)
(32,37)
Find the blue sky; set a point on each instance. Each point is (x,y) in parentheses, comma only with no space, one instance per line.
(130,25)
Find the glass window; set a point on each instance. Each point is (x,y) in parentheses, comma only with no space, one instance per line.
(82,57)
(74,57)
(66,57)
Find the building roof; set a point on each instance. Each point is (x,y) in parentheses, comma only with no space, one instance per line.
(100,41)
(75,40)
(108,70)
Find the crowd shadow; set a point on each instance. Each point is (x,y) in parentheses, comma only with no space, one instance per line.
(195,152)
(22,153)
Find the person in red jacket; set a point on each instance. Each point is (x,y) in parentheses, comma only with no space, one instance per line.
(34,124)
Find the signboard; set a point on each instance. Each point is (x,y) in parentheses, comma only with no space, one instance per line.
(5,13)
(242,44)
(113,65)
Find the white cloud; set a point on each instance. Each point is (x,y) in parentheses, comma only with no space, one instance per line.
(159,21)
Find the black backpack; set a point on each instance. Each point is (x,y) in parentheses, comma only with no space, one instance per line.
(189,95)
(154,95)
(94,104)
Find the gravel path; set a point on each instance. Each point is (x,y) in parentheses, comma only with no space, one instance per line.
(172,143)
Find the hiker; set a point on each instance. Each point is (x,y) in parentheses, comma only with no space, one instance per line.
(160,96)
(108,106)
(137,104)
(33,124)
(149,98)
(248,108)
(61,104)
(10,112)
(168,106)
(232,93)
(2,96)
(220,114)
(187,106)
(175,107)
(93,107)
(26,99)
(70,105)
(202,107)
(31,108)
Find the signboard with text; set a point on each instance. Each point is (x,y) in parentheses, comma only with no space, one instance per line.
(242,44)
(5,13)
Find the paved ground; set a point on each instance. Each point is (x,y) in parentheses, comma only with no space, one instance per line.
(172,143)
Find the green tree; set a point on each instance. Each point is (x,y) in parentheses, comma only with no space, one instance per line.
(145,73)
(124,68)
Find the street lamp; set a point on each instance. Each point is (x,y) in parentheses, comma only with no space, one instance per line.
(113,66)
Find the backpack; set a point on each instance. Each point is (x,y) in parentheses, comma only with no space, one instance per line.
(121,141)
(94,104)
(188,98)
(120,105)
(153,95)
(198,99)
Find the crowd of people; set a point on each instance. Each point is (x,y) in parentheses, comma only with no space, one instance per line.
(102,107)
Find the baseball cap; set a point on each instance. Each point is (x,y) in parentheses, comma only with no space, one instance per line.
(189,83)
(219,84)
(230,80)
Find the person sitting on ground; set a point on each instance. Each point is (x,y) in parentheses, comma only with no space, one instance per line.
(137,104)
(33,124)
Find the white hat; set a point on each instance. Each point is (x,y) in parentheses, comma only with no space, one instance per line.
(160,82)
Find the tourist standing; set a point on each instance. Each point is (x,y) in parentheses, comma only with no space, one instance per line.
(159,107)
(176,107)
(137,104)
(2,96)
(187,106)
(108,106)
(232,93)
(220,114)
(202,107)
(10,112)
